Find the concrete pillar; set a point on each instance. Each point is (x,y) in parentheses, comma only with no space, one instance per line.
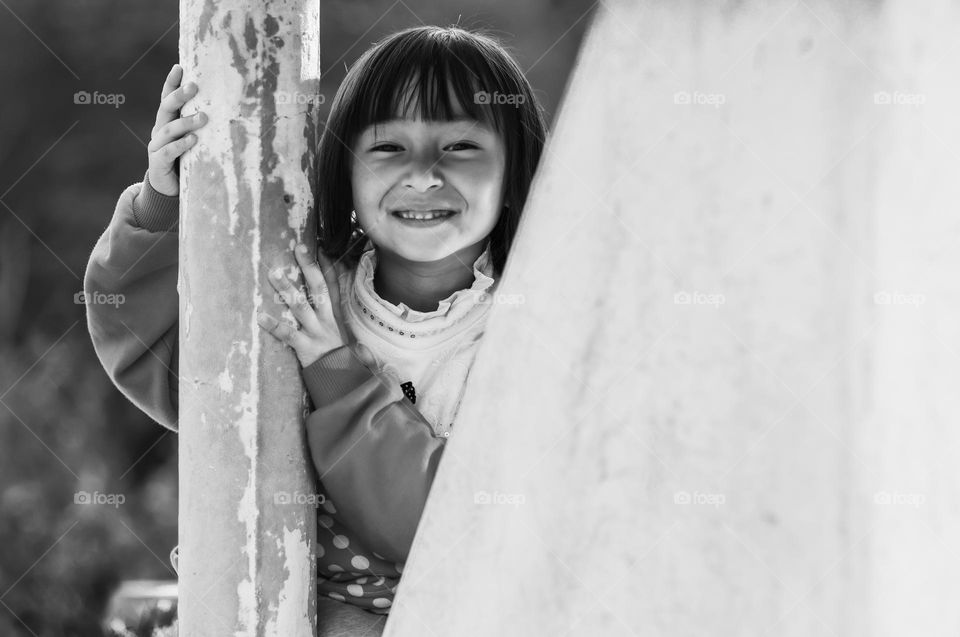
(717,393)
(247,518)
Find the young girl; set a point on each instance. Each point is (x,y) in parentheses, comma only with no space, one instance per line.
(424,167)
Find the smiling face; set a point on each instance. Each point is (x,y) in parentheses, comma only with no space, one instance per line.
(409,164)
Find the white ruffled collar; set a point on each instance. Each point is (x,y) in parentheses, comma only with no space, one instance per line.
(454,306)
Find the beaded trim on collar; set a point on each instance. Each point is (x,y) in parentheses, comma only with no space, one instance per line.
(407,322)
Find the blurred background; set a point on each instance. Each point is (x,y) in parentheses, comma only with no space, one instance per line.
(65,430)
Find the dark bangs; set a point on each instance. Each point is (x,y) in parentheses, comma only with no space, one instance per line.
(444,67)
(426,65)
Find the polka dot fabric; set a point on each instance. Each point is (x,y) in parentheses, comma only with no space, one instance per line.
(349,572)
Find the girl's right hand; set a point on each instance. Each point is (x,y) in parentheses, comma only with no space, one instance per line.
(169,138)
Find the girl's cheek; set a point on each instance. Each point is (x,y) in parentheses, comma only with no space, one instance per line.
(365,187)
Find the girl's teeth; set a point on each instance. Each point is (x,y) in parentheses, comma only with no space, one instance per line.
(424,217)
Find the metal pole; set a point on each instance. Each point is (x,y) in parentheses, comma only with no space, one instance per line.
(247,523)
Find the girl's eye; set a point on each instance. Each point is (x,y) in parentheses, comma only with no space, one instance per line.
(387,147)
(469,145)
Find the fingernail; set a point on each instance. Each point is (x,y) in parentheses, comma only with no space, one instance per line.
(302,249)
(277,274)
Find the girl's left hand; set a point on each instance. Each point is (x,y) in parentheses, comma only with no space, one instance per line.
(319,312)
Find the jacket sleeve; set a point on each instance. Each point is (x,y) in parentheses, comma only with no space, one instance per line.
(375,453)
(132,304)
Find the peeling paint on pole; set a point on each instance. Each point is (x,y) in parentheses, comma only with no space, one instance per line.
(247,188)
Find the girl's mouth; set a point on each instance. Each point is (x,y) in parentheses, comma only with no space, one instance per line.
(423,218)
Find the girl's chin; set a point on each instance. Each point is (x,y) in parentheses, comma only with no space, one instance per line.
(427,251)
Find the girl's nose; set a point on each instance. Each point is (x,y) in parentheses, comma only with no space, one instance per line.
(423,174)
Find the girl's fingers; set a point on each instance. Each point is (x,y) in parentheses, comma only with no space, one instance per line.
(329,276)
(176,130)
(173,80)
(313,276)
(283,331)
(296,300)
(323,281)
(164,112)
(332,275)
(174,149)
(318,311)
(171,104)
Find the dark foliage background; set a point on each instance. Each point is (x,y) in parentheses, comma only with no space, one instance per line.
(64,428)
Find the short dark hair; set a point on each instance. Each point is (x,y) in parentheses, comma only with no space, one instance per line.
(472,62)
